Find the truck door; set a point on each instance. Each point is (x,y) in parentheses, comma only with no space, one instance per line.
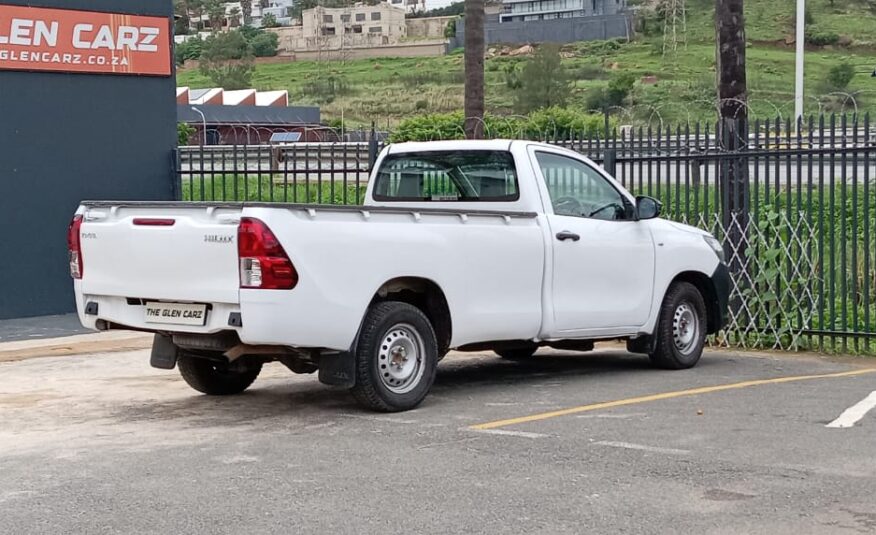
(603,259)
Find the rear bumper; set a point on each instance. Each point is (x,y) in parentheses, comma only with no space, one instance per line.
(101,311)
(721,283)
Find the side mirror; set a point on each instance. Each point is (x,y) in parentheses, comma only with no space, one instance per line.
(647,207)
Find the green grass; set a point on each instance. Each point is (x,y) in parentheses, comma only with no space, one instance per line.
(387,90)
(268,188)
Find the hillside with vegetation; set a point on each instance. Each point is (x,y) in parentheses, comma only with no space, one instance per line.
(643,81)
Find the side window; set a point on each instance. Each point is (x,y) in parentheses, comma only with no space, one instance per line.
(578,190)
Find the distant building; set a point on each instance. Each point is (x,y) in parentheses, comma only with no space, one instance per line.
(531,10)
(246,117)
(410,6)
(362,31)
(552,21)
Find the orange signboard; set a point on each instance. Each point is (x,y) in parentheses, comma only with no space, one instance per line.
(37,39)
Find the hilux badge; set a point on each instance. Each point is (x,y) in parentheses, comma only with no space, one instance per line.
(215,238)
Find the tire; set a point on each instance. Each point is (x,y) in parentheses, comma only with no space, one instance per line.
(681,328)
(517,353)
(396,357)
(216,378)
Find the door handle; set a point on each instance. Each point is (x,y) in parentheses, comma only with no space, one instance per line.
(566,235)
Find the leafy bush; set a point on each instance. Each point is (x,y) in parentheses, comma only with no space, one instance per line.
(450,29)
(189,49)
(619,88)
(816,37)
(184,133)
(269,21)
(227,60)
(840,76)
(549,123)
(543,80)
(563,123)
(265,44)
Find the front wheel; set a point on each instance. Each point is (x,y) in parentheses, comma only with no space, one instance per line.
(396,357)
(681,328)
(217,378)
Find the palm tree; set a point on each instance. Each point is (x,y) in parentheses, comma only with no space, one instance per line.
(216,13)
(474,69)
(246,6)
(733,110)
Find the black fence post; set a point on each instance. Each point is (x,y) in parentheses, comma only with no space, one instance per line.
(609,161)
(176,184)
(372,148)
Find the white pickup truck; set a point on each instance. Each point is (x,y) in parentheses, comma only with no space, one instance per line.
(469,245)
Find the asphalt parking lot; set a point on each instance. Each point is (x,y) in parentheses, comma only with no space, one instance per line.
(566,443)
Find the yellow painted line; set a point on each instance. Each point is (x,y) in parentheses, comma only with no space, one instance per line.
(659,397)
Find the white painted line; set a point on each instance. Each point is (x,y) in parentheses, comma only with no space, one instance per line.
(850,416)
(612,416)
(505,432)
(641,447)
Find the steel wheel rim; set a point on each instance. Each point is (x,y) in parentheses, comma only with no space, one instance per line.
(400,358)
(685,328)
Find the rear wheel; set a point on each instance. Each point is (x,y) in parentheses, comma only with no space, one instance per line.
(517,353)
(217,378)
(681,328)
(396,358)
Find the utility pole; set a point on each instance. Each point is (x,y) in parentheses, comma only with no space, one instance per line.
(801,38)
(474,69)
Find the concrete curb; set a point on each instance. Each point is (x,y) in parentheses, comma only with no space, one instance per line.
(75,345)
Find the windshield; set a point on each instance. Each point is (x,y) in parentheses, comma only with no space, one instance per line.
(443,176)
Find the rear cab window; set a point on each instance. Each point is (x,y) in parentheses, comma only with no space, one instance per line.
(448,176)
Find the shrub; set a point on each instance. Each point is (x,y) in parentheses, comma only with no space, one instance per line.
(543,80)
(617,91)
(265,44)
(189,49)
(840,76)
(553,122)
(450,29)
(816,37)
(184,133)
(269,21)
(227,60)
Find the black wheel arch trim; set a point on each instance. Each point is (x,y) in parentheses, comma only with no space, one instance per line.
(719,309)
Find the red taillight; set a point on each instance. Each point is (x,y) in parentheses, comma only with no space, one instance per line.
(153,222)
(263,262)
(74,247)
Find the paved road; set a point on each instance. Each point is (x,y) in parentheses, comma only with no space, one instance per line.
(104,444)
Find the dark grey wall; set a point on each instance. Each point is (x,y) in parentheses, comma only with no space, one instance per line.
(550,31)
(69,137)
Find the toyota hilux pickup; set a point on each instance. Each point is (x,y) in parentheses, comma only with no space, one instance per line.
(503,246)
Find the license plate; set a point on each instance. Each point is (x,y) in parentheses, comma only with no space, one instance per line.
(176,313)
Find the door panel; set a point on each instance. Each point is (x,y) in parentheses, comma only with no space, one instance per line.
(603,260)
(605,279)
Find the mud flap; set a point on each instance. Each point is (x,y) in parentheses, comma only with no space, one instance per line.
(338,369)
(164,353)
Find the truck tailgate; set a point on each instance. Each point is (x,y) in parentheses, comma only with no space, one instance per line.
(161,252)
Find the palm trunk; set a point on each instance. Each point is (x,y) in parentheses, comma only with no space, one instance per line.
(474,69)
(246,8)
(733,127)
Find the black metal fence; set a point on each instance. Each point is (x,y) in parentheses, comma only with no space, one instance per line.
(795,205)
